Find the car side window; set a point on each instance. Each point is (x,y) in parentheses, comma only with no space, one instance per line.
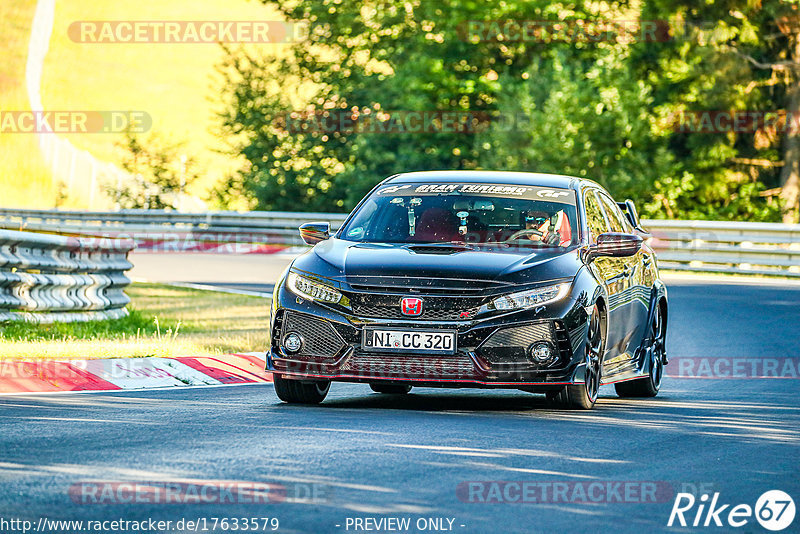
(615,217)
(595,220)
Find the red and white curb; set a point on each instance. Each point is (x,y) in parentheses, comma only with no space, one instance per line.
(40,376)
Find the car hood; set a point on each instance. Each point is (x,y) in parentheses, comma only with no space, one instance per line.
(348,261)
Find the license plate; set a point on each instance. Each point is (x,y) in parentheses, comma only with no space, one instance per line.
(421,341)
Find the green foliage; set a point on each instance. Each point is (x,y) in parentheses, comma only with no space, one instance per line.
(588,120)
(388,56)
(600,109)
(160,174)
(705,68)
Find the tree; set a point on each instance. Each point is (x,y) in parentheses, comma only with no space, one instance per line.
(371,58)
(601,108)
(785,64)
(589,120)
(713,64)
(159,173)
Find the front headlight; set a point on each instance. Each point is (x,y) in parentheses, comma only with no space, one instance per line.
(531,298)
(311,289)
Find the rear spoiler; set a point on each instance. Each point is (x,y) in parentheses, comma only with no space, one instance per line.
(629,209)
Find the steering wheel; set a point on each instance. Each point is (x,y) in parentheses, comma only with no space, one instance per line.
(524,232)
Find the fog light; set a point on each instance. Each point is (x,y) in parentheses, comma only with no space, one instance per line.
(541,352)
(292,342)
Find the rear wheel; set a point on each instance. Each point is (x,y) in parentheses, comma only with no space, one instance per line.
(391,389)
(655,354)
(301,392)
(583,396)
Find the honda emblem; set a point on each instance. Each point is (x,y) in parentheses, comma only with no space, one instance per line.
(411,306)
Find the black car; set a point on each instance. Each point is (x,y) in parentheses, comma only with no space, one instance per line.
(474,279)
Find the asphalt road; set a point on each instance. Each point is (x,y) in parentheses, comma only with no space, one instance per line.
(249,272)
(373,456)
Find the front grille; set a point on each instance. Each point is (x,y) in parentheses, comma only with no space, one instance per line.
(428,314)
(320,339)
(520,335)
(400,366)
(510,345)
(432,286)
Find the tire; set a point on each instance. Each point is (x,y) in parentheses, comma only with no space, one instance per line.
(297,392)
(584,396)
(390,389)
(649,385)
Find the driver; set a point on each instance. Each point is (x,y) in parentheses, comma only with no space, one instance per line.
(549,229)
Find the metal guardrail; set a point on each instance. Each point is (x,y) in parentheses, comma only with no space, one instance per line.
(703,246)
(159,225)
(729,247)
(51,278)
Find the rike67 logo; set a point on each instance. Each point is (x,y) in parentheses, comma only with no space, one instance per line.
(774,510)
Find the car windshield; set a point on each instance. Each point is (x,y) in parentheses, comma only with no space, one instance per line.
(490,214)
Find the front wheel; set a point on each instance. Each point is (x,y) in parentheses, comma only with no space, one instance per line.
(301,392)
(584,396)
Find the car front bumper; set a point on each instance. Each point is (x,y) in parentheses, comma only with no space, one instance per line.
(491,351)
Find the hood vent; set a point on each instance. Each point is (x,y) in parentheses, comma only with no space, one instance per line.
(437,249)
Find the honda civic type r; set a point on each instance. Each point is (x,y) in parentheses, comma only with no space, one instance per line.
(474,279)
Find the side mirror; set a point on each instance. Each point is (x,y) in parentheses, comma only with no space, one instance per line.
(629,209)
(616,244)
(314,232)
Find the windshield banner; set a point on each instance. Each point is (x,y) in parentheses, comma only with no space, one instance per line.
(528,192)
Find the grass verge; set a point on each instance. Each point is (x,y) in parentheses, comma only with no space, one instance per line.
(164,321)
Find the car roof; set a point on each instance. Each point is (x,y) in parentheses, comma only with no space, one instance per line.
(492,177)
